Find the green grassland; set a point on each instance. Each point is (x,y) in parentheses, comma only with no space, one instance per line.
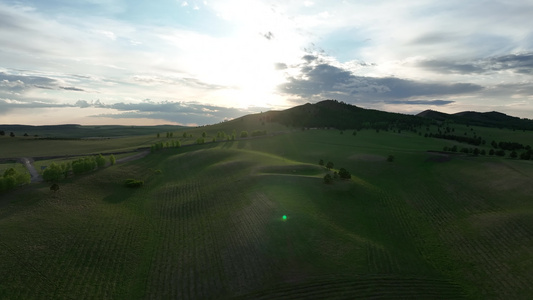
(207,223)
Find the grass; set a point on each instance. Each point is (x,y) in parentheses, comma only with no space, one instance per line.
(208,224)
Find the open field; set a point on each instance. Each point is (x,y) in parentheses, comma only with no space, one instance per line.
(207,224)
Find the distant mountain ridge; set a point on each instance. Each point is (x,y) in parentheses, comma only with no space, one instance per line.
(485,119)
(340,115)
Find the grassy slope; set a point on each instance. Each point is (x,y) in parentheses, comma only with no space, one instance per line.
(210,226)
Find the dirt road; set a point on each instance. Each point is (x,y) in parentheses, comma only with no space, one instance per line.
(27,162)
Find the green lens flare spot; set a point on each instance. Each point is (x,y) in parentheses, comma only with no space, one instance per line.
(284,217)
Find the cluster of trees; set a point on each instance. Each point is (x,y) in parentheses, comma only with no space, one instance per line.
(11,134)
(329,178)
(56,172)
(526,155)
(510,146)
(11,178)
(476,141)
(160,145)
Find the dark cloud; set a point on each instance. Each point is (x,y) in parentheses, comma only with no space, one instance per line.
(269,35)
(71,88)
(36,81)
(179,112)
(420,102)
(324,81)
(310,58)
(517,63)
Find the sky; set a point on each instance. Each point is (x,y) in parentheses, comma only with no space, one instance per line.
(137,62)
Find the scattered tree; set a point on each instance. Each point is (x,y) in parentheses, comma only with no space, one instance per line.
(244,134)
(321,162)
(390,158)
(112,159)
(329,165)
(11,134)
(344,174)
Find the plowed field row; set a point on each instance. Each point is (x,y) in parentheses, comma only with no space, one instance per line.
(209,239)
(371,287)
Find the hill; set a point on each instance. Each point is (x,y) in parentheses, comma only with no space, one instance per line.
(208,223)
(340,115)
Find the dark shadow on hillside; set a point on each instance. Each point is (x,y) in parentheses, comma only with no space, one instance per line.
(228,145)
(122,193)
(241,144)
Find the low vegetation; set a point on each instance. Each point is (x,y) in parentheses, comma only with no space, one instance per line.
(402,216)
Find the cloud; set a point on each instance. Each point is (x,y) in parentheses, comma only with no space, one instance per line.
(325,81)
(7,105)
(517,63)
(280,66)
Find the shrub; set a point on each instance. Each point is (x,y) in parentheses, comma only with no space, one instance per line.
(133,183)
(390,158)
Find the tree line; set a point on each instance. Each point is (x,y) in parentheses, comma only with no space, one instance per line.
(11,179)
(55,172)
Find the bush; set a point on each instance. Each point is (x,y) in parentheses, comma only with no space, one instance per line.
(132,183)
(390,158)
(244,134)
(54,187)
